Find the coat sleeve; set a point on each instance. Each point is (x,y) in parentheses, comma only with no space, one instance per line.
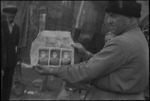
(110,58)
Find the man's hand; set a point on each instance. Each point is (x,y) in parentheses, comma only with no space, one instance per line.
(80,49)
(43,70)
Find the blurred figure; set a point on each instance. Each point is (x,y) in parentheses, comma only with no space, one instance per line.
(144,25)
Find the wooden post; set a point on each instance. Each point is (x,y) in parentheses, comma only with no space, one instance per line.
(76,32)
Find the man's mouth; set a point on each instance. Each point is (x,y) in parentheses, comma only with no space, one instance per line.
(111,27)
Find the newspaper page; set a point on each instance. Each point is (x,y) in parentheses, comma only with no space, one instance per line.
(52,49)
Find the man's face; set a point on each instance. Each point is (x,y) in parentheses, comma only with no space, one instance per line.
(66,55)
(43,54)
(10,16)
(54,55)
(117,23)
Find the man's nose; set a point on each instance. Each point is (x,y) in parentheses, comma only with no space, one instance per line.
(109,20)
(10,14)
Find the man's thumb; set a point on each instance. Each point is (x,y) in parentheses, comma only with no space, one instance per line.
(74,45)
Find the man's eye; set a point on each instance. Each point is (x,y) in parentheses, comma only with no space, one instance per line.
(113,15)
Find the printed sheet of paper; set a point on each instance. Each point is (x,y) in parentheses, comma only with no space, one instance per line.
(52,49)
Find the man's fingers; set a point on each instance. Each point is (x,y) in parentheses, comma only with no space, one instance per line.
(38,66)
(37,70)
(75,45)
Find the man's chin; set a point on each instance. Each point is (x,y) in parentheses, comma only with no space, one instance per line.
(11,21)
(113,31)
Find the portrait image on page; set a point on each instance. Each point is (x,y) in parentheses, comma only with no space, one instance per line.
(54,57)
(43,56)
(66,57)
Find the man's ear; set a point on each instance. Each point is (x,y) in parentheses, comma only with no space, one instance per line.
(130,19)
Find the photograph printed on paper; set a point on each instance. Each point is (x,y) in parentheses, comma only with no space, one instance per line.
(54,57)
(66,57)
(43,56)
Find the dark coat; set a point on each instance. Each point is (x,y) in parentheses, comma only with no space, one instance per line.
(3,49)
(9,43)
(9,56)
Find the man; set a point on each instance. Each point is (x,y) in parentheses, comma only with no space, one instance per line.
(43,60)
(66,60)
(120,70)
(10,40)
(54,60)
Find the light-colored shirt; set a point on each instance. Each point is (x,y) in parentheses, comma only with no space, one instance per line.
(10,26)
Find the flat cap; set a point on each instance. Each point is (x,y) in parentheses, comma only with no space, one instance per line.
(10,9)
